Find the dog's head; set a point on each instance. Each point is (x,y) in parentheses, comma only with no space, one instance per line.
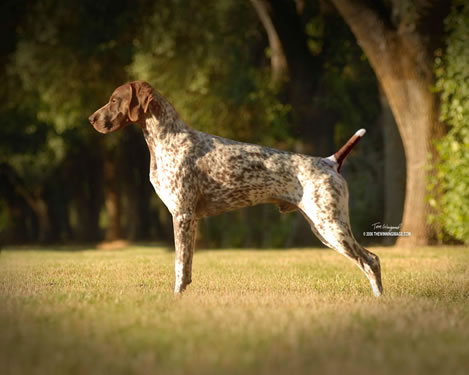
(128,104)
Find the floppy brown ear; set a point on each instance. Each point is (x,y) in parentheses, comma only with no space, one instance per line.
(140,99)
(133,104)
(145,95)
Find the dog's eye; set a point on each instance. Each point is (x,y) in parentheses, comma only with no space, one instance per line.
(113,100)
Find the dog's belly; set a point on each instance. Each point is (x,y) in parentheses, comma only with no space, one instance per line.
(222,197)
(215,204)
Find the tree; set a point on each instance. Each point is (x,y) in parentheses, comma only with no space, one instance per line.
(332,90)
(63,64)
(399,38)
(296,68)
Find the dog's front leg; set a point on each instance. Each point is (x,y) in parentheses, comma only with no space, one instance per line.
(184,239)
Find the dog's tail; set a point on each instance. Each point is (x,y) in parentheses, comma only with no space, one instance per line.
(338,158)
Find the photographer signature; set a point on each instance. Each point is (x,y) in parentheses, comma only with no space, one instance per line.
(379,225)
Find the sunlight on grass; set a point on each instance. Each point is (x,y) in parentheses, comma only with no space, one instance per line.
(246,312)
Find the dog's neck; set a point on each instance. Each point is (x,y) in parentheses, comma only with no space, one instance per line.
(164,123)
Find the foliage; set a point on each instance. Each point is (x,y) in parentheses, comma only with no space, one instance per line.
(51,82)
(452,178)
(64,61)
(69,39)
(207,68)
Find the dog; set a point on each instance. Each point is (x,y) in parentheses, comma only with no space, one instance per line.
(198,175)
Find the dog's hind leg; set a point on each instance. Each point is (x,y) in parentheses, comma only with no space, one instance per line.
(327,213)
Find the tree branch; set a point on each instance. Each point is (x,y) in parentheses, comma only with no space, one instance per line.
(277,59)
(285,28)
(371,26)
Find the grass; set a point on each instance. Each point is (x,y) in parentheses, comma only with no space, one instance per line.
(246,312)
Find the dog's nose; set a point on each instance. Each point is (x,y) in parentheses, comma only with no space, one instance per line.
(92,118)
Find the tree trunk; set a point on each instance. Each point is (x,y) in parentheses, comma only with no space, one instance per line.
(41,211)
(39,206)
(84,173)
(33,199)
(16,231)
(417,117)
(403,68)
(112,199)
(136,186)
(394,169)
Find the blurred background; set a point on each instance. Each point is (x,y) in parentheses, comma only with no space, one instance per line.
(296,75)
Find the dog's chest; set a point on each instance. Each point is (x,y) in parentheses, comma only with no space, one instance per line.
(169,173)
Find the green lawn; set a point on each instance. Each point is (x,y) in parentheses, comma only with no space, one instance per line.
(246,312)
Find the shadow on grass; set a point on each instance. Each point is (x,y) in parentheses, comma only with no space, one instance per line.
(100,246)
(169,247)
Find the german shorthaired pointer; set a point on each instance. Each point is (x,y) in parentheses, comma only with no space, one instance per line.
(197,175)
